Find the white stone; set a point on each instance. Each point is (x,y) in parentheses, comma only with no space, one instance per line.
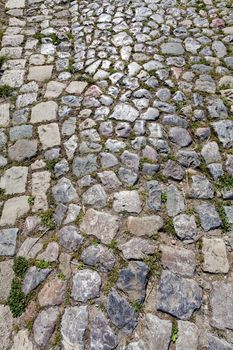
(40,73)
(215,255)
(21,341)
(14,180)
(44,111)
(54,89)
(4,114)
(13,78)
(6,327)
(15,4)
(49,135)
(40,185)
(127,201)
(76,87)
(14,209)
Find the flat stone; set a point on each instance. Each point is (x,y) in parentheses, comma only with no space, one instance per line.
(128,201)
(4,114)
(221,303)
(84,165)
(201,188)
(102,337)
(40,73)
(109,180)
(86,285)
(208,216)
(215,255)
(205,83)
(173,170)
(172,49)
(44,325)
(122,39)
(229,213)
(21,341)
(44,111)
(144,226)
(49,135)
(215,343)
(98,256)
(73,326)
(125,112)
(30,248)
(137,248)
(14,180)
(12,78)
(15,4)
(95,196)
(14,209)
(120,312)
(11,52)
(185,227)
(64,192)
(23,149)
(6,326)
(178,296)
(6,277)
(175,201)
(34,276)
(52,293)
(210,152)
(180,136)
(224,130)
(133,280)
(51,252)
(20,132)
(76,87)
(70,238)
(102,225)
(188,159)
(178,260)
(188,335)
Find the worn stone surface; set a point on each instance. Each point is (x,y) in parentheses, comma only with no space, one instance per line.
(145,226)
(221,303)
(8,238)
(98,256)
(215,255)
(86,285)
(188,336)
(44,325)
(52,293)
(6,326)
(33,278)
(178,260)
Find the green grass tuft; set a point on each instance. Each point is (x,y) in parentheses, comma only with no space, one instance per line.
(17,300)
(6,91)
(20,266)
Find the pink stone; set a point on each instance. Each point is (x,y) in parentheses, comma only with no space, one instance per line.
(93,91)
(217,22)
(176,72)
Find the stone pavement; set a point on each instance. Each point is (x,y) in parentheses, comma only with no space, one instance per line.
(116,175)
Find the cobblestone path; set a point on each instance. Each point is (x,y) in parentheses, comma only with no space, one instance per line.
(116,175)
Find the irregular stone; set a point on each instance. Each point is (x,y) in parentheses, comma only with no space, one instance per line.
(40,73)
(122,39)
(180,261)
(180,136)
(23,149)
(109,179)
(4,114)
(44,112)
(76,87)
(124,112)
(21,341)
(14,180)
(13,78)
(210,152)
(185,227)
(6,277)
(70,238)
(84,165)
(49,135)
(98,256)
(73,326)
(102,225)
(215,255)
(128,201)
(51,253)
(224,130)
(14,209)
(215,343)
(175,201)
(34,276)
(54,89)
(208,216)
(144,226)
(52,293)
(20,132)
(201,188)
(137,248)
(64,191)
(178,296)
(6,326)
(221,303)
(120,312)
(172,49)
(95,196)
(86,285)
(187,336)
(30,248)
(44,325)
(205,83)
(173,170)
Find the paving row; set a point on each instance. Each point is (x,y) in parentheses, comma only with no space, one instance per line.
(116,175)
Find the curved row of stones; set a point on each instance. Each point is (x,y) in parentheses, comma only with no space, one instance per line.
(116,174)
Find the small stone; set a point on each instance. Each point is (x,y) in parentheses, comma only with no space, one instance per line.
(84,165)
(180,136)
(172,49)
(201,188)
(185,227)
(173,170)
(44,325)
(4,114)
(44,111)
(6,326)
(210,152)
(54,89)
(124,112)
(128,201)
(49,135)
(144,226)
(98,256)
(30,248)
(181,261)
(208,216)
(52,293)
(70,238)
(40,73)
(23,149)
(34,276)
(76,87)
(224,130)
(86,285)
(14,180)
(95,196)
(178,296)
(6,277)
(221,303)
(73,337)
(64,191)
(102,225)
(14,209)
(188,336)
(175,201)
(12,78)
(137,248)
(215,255)
(120,312)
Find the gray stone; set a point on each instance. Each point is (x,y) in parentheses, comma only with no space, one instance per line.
(154,195)
(30,248)
(175,201)
(52,293)
(144,226)
(210,152)
(95,196)
(215,255)
(23,149)
(172,49)
(137,248)
(8,238)
(180,136)
(208,216)
(20,132)
(229,213)
(205,83)
(109,179)
(216,170)
(44,325)
(180,261)
(122,39)
(127,176)
(44,112)
(124,112)
(188,159)
(86,285)
(224,130)
(128,201)
(185,227)
(187,336)
(221,303)
(51,252)
(73,326)
(49,135)
(98,256)
(21,341)
(14,208)
(173,170)
(14,180)
(215,343)
(201,188)
(12,78)
(6,327)
(64,192)
(6,277)
(178,296)
(40,73)
(102,225)
(108,160)
(70,238)
(133,280)
(34,276)
(120,312)
(84,165)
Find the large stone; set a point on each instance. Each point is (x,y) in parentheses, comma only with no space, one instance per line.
(210,152)
(6,327)
(178,296)
(23,149)
(73,326)
(185,227)
(49,135)
(84,165)
(44,325)
(122,39)
(180,136)
(208,216)
(215,343)
(6,277)
(124,112)
(44,112)
(144,226)
(54,89)
(206,84)
(133,280)
(12,78)
(8,238)
(175,201)
(15,4)
(86,285)
(14,180)
(21,341)
(51,252)
(224,130)
(64,192)
(102,337)
(187,336)
(52,293)
(102,225)
(173,170)
(70,238)
(120,312)
(40,73)
(221,303)
(30,248)
(95,196)
(137,248)
(128,201)
(201,188)
(34,276)
(14,209)
(172,49)
(178,260)
(215,255)
(98,256)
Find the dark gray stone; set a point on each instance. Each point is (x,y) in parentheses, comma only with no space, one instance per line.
(64,192)
(173,170)
(44,325)
(154,195)
(208,216)
(98,256)
(221,303)
(34,276)
(8,239)
(84,165)
(188,159)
